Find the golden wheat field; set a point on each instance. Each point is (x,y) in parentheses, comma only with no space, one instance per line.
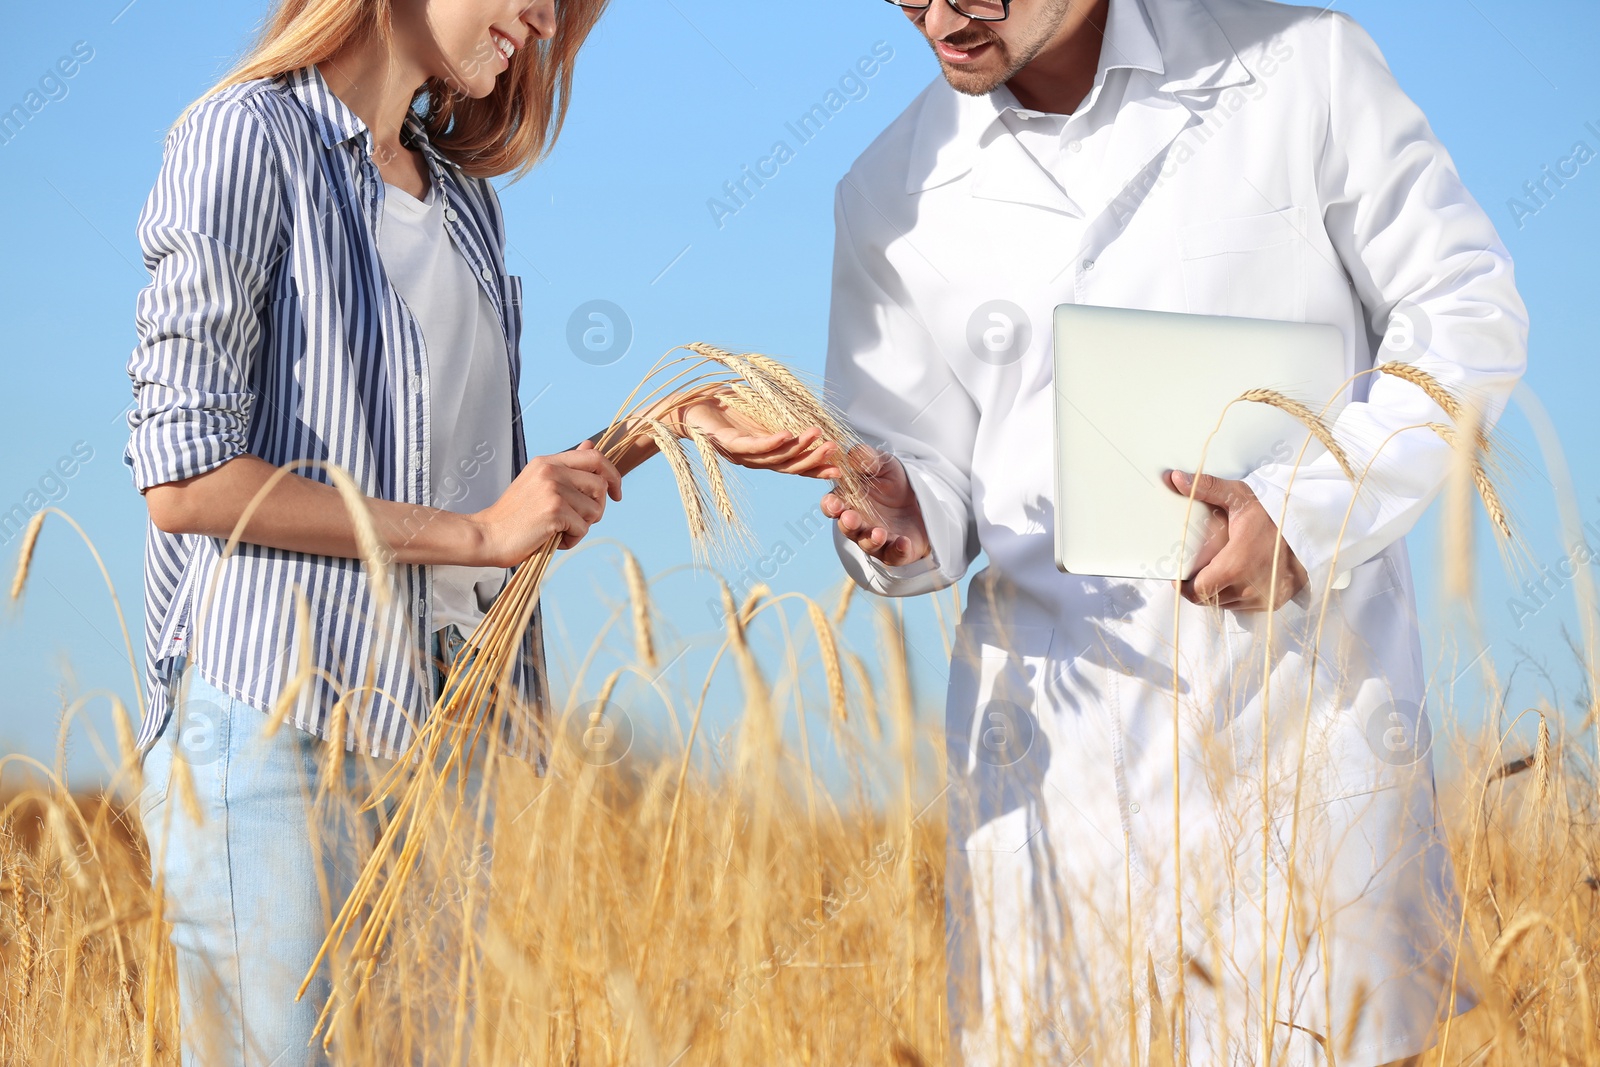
(729,910)
(718,897)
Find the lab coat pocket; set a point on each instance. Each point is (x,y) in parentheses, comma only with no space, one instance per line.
(1251,266)
(998,752)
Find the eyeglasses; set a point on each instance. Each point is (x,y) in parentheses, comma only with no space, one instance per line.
(978,10)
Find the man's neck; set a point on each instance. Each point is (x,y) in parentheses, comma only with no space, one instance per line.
(1061,75)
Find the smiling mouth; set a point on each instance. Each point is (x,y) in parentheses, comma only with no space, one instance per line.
(503,44)
(964,53)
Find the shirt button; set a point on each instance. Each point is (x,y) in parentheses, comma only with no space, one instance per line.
(1134,807)
(1076,146)
(1088,264)
(487,273)
(416,459)
(1128,671)
(450,214)
(416,382)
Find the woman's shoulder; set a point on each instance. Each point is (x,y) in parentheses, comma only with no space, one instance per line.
(262,106)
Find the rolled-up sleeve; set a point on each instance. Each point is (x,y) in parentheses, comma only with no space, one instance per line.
(210,232)
(894,386)
(1435,281)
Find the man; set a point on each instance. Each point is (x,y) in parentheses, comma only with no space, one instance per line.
(1199,818)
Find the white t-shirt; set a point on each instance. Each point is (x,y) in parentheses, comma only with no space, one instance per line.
(469,383)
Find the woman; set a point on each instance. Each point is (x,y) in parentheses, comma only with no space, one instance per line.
(328,290)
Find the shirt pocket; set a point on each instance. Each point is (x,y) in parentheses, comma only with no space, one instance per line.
(1251,266)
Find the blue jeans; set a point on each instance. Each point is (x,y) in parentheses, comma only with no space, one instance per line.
(244,891)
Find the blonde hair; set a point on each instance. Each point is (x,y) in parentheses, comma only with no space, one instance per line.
(511,129)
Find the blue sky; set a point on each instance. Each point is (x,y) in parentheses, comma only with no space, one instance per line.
(672,101)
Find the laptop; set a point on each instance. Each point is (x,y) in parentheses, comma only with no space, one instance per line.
(1138,393)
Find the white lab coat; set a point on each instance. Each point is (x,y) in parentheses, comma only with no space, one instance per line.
(1273,169)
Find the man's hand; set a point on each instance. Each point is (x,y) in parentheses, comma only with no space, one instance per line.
(900,537)
(1235,563)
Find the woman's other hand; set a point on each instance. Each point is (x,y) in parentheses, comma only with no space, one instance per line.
(561,494)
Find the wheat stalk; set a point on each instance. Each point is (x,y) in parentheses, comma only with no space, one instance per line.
(752,599)
(1514,933)
(830,659)
(30,541)
(127,744)
(869,702)
(1541,759)
(716,480)
(1448,401)
(1481,482)
(644,641)
(1310,419)
(1458,413)
(756,386)
(772,395)
(694,505)
(847,590)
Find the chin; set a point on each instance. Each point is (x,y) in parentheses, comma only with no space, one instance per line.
(478,87)
(972,82)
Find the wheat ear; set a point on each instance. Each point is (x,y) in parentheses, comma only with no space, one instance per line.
(1541,758)
(847,591)
(830,659)
(639,598)
(694,506)
(1481,481)
(30,541)
(1514,933)
(716,481)
(1308,418)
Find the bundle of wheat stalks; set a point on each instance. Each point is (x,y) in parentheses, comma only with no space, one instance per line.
(755,386)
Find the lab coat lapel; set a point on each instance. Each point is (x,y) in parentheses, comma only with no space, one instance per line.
(1007,173)
(960,136)
(1155,112)
(1150,120)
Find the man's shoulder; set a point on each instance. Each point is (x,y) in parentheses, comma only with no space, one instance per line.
(1251,24)
(886,160)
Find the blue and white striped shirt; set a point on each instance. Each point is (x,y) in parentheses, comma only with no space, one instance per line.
(270,328)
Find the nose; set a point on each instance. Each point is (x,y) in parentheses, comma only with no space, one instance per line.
(941,20)
(540,18)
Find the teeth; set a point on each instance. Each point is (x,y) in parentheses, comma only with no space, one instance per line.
(505,46)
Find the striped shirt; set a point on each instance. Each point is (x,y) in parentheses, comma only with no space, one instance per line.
(269,328)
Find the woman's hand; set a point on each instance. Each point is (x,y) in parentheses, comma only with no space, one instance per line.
(561,494)
(743,442)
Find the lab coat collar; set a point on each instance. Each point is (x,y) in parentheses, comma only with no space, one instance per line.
(1176,44)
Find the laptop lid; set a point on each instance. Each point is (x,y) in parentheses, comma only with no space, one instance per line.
(1138,393)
